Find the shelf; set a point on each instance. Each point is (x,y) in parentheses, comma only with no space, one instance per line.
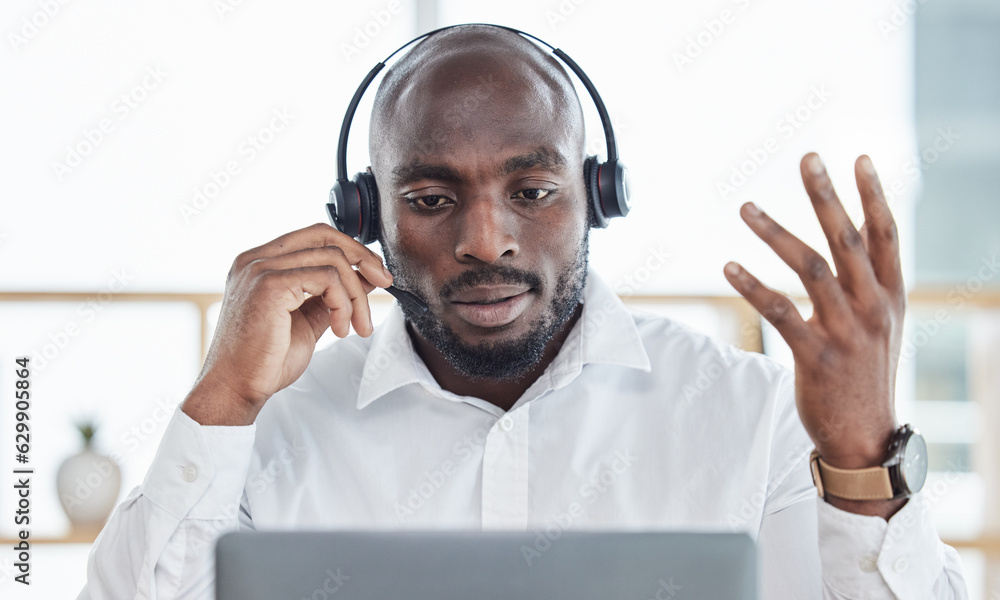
(989,546)
(78,536)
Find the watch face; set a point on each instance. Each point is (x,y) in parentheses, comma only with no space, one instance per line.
(914,465)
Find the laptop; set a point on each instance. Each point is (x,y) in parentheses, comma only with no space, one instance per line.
(473,565)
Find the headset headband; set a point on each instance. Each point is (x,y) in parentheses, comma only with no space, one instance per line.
(353,206)
(345,128)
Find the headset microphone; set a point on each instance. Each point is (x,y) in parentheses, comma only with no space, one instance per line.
(408,301)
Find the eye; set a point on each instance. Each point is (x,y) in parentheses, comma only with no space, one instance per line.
(532,194)
(428,202)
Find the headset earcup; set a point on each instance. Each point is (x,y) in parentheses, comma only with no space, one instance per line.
(370,218)
(613,189)
(344,208)
(597,217)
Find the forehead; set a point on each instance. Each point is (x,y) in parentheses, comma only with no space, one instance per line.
(484,110)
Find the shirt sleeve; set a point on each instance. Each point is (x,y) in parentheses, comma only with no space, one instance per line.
(787,549)
(809,548)
(812,545)
(902,558)
(160,541)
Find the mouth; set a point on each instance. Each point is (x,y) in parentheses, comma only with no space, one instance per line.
(491,306)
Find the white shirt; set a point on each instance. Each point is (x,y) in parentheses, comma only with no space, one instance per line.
(639,422)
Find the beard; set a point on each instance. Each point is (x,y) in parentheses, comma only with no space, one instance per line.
(504,360)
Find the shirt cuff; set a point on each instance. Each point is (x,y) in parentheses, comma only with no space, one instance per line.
(199,471)
(902,557)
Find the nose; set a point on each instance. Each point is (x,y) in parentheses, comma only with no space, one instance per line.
(487,231)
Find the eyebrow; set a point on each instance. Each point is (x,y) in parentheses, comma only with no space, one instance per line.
(417,171)
(542,157)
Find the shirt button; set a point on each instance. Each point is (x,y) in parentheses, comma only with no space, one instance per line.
(506,424)
(189,473)
(900,566)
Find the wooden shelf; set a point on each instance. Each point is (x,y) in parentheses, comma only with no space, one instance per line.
(77,536)
(989,546)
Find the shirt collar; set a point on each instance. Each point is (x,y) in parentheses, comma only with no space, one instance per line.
(605,334)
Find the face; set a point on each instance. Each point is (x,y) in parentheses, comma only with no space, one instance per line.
(484,217)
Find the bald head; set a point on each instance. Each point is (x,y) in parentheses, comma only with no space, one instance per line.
(462,79)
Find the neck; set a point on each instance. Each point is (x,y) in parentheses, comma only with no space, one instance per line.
(502,394)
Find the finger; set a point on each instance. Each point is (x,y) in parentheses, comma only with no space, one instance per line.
(317,236)
(775,307)
(367,285)
(316,314)
(353,281)
(290,286)
(854,269)
(823,288)
(883,237)
(864,234)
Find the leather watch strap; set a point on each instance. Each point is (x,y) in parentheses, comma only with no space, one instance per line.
(851,484)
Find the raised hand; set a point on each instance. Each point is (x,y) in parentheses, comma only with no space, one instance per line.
(847,352)
(279,299)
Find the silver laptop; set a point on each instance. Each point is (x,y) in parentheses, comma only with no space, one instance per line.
(467,565)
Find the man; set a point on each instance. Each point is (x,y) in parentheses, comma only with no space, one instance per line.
(527,395)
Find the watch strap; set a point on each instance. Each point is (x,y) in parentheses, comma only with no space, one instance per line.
(872,483)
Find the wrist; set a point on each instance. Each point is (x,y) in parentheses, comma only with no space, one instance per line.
(873,489)
(211,403)
(869,508)
(870,450)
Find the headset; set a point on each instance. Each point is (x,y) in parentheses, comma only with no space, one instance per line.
(353,205)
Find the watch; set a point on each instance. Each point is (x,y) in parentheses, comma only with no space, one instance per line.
(901,475)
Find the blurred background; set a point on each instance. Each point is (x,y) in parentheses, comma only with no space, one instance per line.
(146,144)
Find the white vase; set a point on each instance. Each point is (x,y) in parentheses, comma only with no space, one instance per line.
(88,485)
